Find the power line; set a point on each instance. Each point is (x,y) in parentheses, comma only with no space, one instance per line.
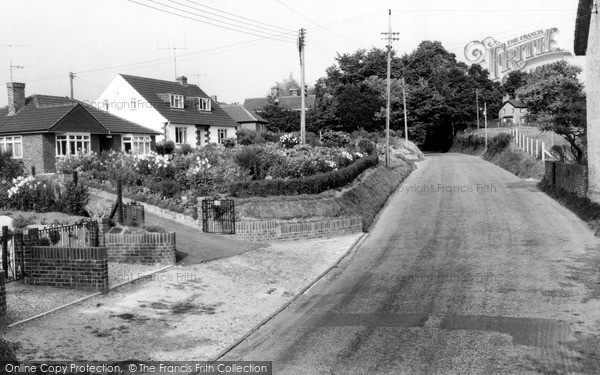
(274,37)
(253,29)
(244,18)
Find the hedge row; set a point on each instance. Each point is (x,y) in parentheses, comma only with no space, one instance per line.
(309,185)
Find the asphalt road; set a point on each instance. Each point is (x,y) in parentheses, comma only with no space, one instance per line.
(468,270)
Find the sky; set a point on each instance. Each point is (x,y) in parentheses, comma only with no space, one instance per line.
(237,49)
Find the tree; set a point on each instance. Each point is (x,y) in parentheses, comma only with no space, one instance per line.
(555,98)
(280,119)
(514,81)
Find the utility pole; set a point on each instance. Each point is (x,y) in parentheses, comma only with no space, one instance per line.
(477,104)
(485,119)
(389,37)
(71,76)
(301,43)
(404,102)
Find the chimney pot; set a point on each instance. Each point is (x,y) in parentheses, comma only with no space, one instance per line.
(182,80)
(16,97)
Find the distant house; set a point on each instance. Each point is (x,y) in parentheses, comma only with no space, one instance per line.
(292,102)
(179,111)
(39,129)
(245,118)
(512,112)
(587,43)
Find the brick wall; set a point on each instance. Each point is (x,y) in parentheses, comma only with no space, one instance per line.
(148,248)
(281,231)
(592,83)
(66,267)
(39,151)
(2,300)
(571,177)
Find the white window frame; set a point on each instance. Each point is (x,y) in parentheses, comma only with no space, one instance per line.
(16,145)
(221,135)
(140,143)
(177,101)
(204,104)
(72,144)
(180,132)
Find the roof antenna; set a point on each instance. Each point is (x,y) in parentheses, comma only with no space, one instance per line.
(10,46)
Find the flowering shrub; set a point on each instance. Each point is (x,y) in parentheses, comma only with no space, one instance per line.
(335,139)
(289,140)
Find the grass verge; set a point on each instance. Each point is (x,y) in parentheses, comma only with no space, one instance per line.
(501,152)
(583,207)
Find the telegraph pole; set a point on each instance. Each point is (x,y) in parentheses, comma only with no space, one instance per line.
(404,102)
(301,42)
(390,37)
(477,104)
(485,119)
(71,76)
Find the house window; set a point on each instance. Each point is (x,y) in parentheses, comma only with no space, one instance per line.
(221,134)
(180,135)
(204,104)
(72,144)
(137,144)
(13,145)
(176,101)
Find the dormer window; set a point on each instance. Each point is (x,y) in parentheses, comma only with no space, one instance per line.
(204,104)
(176,101)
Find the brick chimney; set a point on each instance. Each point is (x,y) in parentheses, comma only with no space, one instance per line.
(182,80)
(16,97)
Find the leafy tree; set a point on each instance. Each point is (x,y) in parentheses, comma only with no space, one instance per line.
(280,119)
(555,98)
(514,81)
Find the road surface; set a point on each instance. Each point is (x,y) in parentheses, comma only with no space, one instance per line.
(468,270)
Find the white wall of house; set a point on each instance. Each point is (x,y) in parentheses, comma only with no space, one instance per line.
(122,100)
(592,83)
(190,134)
(214,133)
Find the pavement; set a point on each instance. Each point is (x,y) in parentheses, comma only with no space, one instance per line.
(468,270)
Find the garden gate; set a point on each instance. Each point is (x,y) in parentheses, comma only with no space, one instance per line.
(218,216)
(13,257)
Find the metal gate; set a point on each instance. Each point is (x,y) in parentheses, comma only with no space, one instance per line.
(218,216)
(13,257)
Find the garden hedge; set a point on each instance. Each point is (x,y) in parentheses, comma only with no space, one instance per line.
(309,185)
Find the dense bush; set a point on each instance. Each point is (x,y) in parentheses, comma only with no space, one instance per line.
(498,144)
(366,146)
(229,142)
(335,138)
(165,147)
(10,168)
(184,149)
(246,137)
(30,194)
(310,185)
(289,140)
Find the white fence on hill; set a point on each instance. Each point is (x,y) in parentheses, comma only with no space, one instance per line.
(531,146)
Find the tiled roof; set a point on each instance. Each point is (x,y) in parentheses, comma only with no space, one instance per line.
(42,112)
(242,115)
(582,26)
(288,102)
(515,103)
(151,89)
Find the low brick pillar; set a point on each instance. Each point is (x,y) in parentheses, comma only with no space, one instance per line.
(549,172)
(68,267)
(2,301)
(148,248)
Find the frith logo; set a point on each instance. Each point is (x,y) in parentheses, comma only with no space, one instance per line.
(516,54)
